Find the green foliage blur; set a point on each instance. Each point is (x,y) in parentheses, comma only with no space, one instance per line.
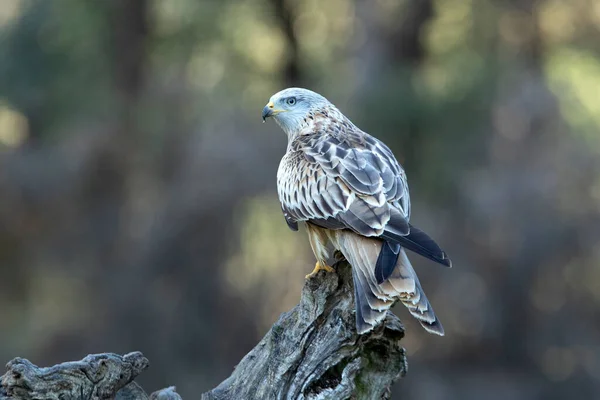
(138,208)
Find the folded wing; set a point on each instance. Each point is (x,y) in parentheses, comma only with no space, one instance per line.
(353,181)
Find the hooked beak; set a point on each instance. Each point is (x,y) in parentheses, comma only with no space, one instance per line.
(270,111)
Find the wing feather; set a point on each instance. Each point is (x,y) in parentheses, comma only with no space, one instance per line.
(354,179)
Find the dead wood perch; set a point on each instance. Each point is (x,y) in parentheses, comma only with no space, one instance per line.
(314,352)
(311,352)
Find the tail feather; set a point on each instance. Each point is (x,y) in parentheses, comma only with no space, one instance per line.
(404,284)
(373,299)
(365,315)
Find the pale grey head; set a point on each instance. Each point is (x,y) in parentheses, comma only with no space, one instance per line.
(291,106)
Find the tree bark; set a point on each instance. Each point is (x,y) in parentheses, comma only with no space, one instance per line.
(311,352)
(99,376)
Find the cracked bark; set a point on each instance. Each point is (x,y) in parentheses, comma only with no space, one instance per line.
(98,376)
(311,352)
(314,352)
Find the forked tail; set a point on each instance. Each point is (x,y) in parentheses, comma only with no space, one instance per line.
(373,300)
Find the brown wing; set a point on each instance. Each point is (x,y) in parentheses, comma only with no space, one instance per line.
(346,179)
(353,183)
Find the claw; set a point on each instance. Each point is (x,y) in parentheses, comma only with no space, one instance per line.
(319,267)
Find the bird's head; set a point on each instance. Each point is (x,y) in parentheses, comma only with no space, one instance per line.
(291,106)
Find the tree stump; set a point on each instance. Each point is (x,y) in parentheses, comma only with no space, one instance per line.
(312,352)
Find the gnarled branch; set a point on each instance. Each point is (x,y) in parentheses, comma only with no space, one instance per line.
(314,352)
(311,352)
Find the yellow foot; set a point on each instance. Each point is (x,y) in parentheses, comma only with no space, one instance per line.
(319,267)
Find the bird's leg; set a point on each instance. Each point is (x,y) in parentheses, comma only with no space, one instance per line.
(321,247)
(318,267)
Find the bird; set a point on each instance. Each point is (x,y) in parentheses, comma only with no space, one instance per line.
(351,193)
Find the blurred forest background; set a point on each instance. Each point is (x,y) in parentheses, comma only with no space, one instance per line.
(138,206)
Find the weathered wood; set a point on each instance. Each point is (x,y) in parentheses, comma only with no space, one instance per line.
(312,352)
(96,377)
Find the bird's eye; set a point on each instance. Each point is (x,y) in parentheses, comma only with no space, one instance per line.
(291,101)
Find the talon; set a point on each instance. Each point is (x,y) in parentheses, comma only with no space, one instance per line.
(319,267)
